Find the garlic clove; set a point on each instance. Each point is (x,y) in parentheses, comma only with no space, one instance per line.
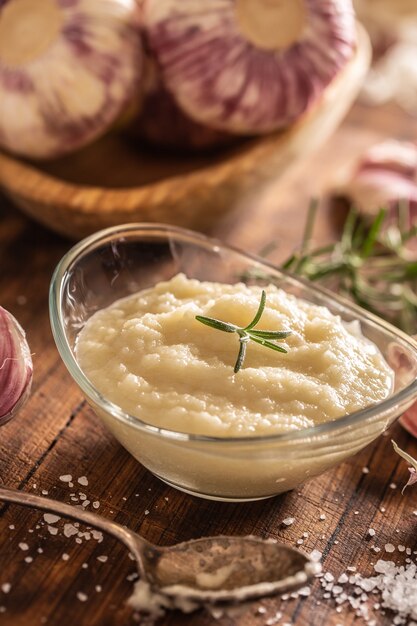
(68,69)
(162,124)
(15,367)
(249,66)
(385,176)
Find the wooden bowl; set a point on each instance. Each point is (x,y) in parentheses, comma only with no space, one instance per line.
(111,182)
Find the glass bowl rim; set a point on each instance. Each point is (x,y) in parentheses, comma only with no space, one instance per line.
(64,349)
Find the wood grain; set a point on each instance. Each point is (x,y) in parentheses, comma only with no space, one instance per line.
(56,434)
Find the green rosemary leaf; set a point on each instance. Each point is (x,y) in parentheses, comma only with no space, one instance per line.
(271,334)
(374,231)
(259,312)
(217,324)
(268,344)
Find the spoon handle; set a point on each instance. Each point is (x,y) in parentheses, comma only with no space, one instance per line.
(130,539)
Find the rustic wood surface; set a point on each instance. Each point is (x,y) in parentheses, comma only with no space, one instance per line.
(57,434)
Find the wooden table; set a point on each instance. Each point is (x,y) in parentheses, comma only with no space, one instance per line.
(57,434)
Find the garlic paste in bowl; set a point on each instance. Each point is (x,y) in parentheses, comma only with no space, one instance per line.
(148,354)
(123,311)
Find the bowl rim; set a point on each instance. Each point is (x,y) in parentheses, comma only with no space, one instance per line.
(116,412)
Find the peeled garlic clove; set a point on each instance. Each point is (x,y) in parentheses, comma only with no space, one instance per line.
(385,176)
(249,66)
(68,69)
(162,124)
(15,367)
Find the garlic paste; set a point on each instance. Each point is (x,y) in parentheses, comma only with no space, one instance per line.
(149,355)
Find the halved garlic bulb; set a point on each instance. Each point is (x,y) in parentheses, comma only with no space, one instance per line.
(15,366)
(68,68)
(249,66)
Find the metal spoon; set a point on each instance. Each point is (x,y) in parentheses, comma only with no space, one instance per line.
(211,569)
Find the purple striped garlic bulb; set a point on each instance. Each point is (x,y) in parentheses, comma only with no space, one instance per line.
(162,124)
(249,66)
(15,367)
(68,69)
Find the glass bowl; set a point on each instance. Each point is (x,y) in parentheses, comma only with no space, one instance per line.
(122,260)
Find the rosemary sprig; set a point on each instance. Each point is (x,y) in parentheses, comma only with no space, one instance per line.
(249,333)
(372,265)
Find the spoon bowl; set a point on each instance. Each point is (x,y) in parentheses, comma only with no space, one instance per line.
(211,569)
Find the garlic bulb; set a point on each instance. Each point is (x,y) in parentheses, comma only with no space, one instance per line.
(162,124)
(15,366)
(68,68)
(385,176)
(249,66)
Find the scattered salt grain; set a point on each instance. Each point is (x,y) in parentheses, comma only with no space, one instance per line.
(44,492)
(322,517)
(102,558)
(98,588)
(82,597)
(53,530)
(84,566)
(401,548)
(393,486)
(65,556)
(371,532)
(50,518)
(96,504)
(39,551)
(83,480)
(28,559)
(389,547)
(288,521)
(6,587)
(23,546)
(70,530)
(365,470)
(65,478)
(146,512)
(12,527)
(316,555)
(382,509)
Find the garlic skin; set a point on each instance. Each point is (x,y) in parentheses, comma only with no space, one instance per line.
(68,69)
(249,66)
(15,367)
(385,176)
(162,124)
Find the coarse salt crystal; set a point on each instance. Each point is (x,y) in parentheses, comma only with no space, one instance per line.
(65,556)
(65,478)
(96,504)
(316,555)
(288,521)
(50,518)
(6,587)
(12,527)
(393,486)
(322,517)
(70,530)
(23,546)
(365,470)
(389,547)
(102,558)
(83,480)
(53,530)
(98,588)
(82,597)
(146,512)
(371,532)
(28,559)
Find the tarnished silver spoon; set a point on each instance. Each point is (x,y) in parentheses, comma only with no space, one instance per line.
(211,569)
